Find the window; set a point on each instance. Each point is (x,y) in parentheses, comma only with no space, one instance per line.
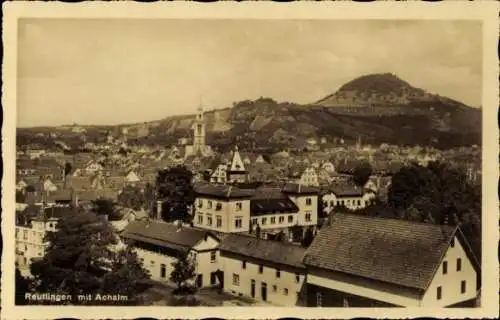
(213,256)
(152,263)
(200,219)
(290,219)
(236,279)
(218,206)
(452,244)
(244,265)
(439,293)
(163,271)
(308,201)
(239,206)
(285,291)
(200,203)
(297,278)
(275,288)
(238,223)
(261,269)
(209,220)
(281,219)
(273,220)
(218,221)
(278,273)
(308,217)
(445,267)
(319,299)
(254,221)
(209,204)
(359,202)
(463,286)
(264,220)
(25,235)
(459,264)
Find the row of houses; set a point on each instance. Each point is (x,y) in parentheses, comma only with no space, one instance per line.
(354,261)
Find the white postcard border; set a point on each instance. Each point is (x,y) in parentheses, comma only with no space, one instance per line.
(485,11)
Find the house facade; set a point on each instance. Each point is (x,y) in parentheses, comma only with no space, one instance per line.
(228,209)
(158,245)
(348,196)
(266,271)
(379,263)
(222,208)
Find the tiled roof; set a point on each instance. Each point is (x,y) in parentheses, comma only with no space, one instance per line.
(269,200)
(223,191)
(60,195)
(296,188)
(272,251)
(394,251)
(163,234)
(91,195)
(348,189)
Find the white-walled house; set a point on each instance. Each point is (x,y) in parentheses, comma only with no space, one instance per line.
(347,195)
(32,225)
(222,208)
(309,177)
(267,271)
(360,261)
(159,244)
(228,209)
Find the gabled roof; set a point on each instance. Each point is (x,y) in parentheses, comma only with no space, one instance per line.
(297,188)
(266,250)
(347,189)
(269,200)
(223,191)
(395,251)
(165,235)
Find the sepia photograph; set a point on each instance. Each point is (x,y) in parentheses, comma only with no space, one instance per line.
(299,162)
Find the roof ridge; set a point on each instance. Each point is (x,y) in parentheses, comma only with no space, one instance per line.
(395,219)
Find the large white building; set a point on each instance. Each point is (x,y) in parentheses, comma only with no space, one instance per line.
(32,225)
(360,261)
(228,209)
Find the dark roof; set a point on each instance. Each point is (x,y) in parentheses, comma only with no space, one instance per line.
(223,191)
(348,189)
(394,251)
(268,200)
(272,251)
(163,234)
(296,188)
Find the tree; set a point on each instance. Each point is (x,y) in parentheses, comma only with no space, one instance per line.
(297,233)
(176,192)
(106,207)
(438,193)
(128,277)
(67,169)
(184,270)
(23,285)
(308,237)
(362,173)
(82,259)
(132,197)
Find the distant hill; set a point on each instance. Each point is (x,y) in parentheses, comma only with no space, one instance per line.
(377,108)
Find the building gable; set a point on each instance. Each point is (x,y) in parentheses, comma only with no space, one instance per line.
(208,243)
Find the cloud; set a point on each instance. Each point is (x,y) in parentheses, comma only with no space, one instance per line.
(110,71)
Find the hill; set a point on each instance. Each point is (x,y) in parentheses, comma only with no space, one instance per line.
(382,109)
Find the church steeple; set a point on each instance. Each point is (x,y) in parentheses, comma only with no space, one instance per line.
(199,131)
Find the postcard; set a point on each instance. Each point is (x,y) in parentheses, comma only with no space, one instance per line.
(250,160)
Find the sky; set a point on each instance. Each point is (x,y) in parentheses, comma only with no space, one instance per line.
(104,71)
